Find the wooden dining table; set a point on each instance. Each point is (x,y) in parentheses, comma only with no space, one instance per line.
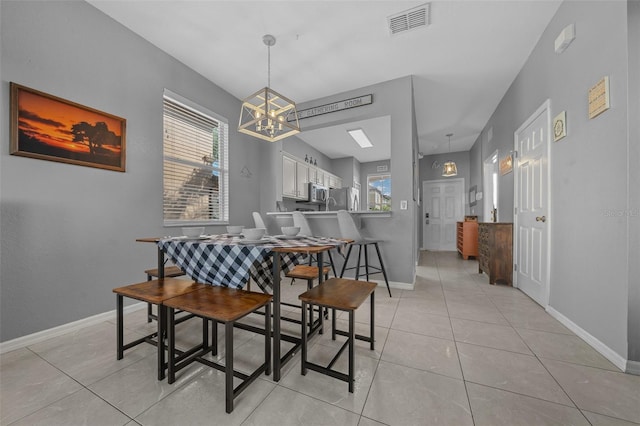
(230,261)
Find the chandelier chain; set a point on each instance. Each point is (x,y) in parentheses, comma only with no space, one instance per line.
(268,66)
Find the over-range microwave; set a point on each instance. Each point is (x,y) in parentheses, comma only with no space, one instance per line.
(317,193)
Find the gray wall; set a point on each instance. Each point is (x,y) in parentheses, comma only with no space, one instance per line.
(590,272)
(345,168)
(299,148)
(427,172)
(68,232)
(392,98)
(633,216)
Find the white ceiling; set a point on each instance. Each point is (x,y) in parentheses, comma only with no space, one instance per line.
(462,63)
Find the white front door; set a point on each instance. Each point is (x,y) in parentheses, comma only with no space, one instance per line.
(443,206)
(531,231)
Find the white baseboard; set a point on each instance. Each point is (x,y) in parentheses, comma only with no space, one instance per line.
(393,284)
(596,344)
(633,367)
(41,336)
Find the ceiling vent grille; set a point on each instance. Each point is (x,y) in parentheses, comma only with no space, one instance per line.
(417,17)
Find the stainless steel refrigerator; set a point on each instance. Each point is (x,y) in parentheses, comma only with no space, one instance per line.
(345,199)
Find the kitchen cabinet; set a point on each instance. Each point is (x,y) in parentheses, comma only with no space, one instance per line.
(296,175)
(467,239)
(495,249)
(302,180)
(295,178)
(316,175)
(289,186)
(335,182)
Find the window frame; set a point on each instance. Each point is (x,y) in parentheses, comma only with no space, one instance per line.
(380,176)
(223,161)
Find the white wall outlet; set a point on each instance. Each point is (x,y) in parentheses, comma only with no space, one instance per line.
(403,204)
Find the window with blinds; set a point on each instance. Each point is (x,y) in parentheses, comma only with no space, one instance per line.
(196,172)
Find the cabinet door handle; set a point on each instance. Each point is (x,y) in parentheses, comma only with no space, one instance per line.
(541,218)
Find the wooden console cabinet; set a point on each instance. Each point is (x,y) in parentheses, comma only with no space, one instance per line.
(467,239)
(495,248)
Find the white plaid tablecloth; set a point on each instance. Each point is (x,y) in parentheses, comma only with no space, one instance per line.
(222,260)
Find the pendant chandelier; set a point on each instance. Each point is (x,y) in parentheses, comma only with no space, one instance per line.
(266,114)
(450,169)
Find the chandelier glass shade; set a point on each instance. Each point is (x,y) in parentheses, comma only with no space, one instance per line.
(267,114)
(449,169)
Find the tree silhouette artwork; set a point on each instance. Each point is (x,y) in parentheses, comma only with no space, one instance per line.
(95,136)
(55,129)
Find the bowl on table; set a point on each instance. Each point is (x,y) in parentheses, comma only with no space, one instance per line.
(290,231)
(193,231)
(253,234)
(235,229)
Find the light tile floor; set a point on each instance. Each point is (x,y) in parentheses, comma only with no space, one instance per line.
(455,351)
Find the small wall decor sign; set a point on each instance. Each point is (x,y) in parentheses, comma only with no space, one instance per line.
(599,97)
(335,107)
(472,195)
(51,128)
(560,126)
(506,165)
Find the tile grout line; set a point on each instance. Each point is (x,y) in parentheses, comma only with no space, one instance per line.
(464,381)
(83,387)
(538,359)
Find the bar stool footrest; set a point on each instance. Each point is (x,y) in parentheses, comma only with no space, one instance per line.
(329,372)
(357,336)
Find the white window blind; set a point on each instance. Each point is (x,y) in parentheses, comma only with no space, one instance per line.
(196,172)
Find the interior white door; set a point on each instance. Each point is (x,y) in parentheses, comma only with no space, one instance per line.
(531,188)
(443,206)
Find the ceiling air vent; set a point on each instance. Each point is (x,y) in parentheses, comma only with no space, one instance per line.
(410,19)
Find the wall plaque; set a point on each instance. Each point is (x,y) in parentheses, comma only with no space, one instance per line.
(599,97)
(506,165)
(335,106)
(560,126)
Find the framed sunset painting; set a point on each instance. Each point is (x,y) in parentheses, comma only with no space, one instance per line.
(50,128)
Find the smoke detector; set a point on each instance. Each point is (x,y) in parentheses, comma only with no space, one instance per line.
(418,17)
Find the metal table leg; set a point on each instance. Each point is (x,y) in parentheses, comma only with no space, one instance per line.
(276,316)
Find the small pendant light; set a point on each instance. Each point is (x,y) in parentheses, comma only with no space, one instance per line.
(450,169)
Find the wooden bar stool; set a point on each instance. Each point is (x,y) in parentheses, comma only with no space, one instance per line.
(346,295)
(155,292)
(308,273)
(169,272)
(225,305)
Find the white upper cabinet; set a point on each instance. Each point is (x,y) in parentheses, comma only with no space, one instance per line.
(302,180)
(335,182)
(289,168)
(296,175)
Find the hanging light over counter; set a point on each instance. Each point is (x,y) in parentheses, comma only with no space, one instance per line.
(267,114)
(449,169)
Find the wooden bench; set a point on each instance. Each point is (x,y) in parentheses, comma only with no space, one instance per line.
(346,295)
(154,292)
(224,305)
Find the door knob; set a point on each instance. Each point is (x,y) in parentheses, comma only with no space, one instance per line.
(541,218)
